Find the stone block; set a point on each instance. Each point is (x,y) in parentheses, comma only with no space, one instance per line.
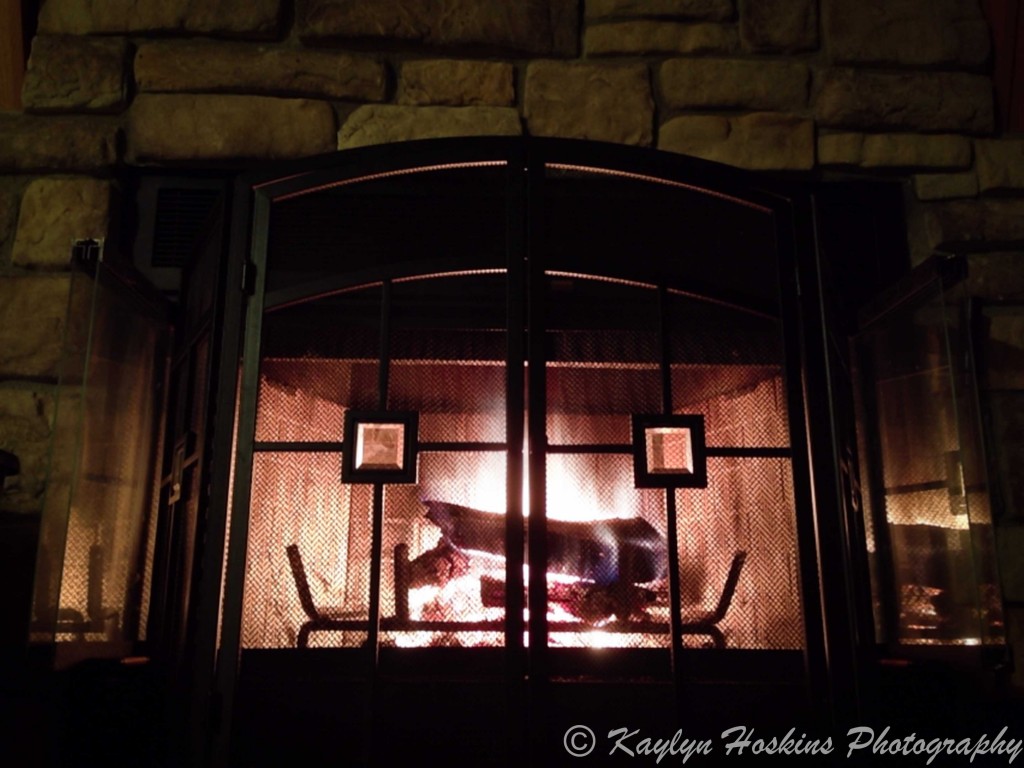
(32,312)
(707,10)
(974,221)
(752,85)
(840,148)
(924,101)
(654,37)
(225,67)
(779,26)
(997,275)
(69,73)
(590,101)
(201,126)
(945,186)
(535,27)
(8,209)
(234,18)
(454,83)
(1000,164)
(909,150)
(758,141)
(54,212)
(1010,545)
(26,423)
(910,33)
(32,143)
(384,124)
(1004,366)
(894,150)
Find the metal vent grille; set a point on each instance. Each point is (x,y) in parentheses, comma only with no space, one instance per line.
(180,216)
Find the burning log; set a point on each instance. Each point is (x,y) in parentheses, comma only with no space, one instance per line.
(437,566)
(590,602)
(605,552)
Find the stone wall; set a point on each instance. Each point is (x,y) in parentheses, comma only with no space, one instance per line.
(825,88)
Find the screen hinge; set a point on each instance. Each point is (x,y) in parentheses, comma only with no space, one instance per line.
(248,278)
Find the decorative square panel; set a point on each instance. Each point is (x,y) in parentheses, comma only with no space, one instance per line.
(669,451)
(380,447)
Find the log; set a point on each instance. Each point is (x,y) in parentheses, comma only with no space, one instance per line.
(606,552)
(591,603)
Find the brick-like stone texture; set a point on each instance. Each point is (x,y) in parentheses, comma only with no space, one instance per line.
(29,143)
(8,208)
(907,150)
(457,83)
(945,186)
(53,213)
(962,221)
(840,148)
(710,10)
(782,26)
(238,18)
(754,85)
(1000,164)
(202,126)
(32,312)
(758,141)
(536,27)
(998,275)
(385,123)
(225,67)
(26,422)
(590,101)
(1010,543)
(925,101)
(71,73)
(895,150)
(653,37)
(910,33)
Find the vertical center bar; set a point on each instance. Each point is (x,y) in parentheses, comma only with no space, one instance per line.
(377,527)
(536,411)
(672,531)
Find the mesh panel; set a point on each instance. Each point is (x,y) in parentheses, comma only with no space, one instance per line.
(606,548)
(747,507)
(297,498)
(588,405)
(456,402)
(607,558)
(726,366)
(451,565)
(448,345)
(297,400)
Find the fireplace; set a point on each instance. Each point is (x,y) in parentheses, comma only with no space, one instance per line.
(513,414)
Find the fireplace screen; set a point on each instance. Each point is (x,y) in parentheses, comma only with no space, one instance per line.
(442,425)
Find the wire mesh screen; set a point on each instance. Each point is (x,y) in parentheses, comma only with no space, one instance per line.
(607,555)
(443,553)
(444,537)
(726,365)
(747,508)
(606,559)
(298,499)
(319,360)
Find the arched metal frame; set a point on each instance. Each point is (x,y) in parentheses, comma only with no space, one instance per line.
(824,548)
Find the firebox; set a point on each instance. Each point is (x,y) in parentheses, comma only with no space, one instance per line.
(507,435)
